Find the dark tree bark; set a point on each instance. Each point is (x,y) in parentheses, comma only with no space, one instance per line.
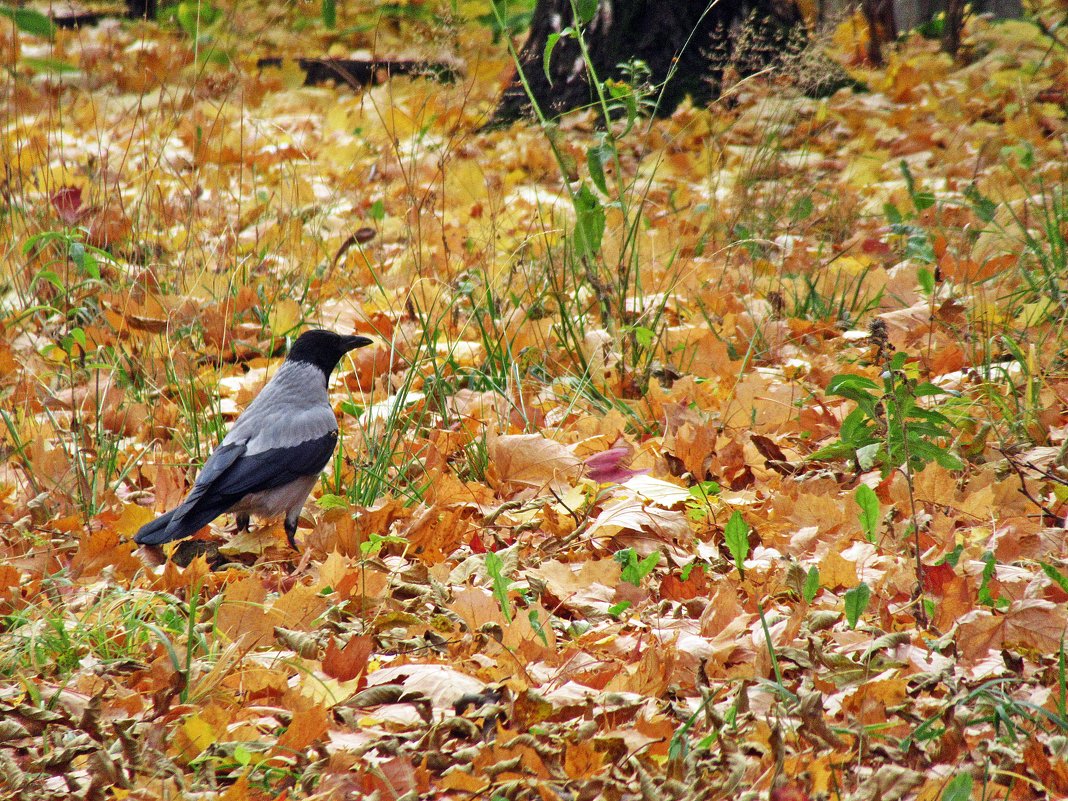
(909,14)
(889,18)
(686,45)
(141,8)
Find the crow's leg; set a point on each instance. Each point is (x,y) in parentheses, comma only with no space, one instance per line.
(292,518)
(242,521)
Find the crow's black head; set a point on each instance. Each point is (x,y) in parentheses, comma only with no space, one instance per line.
(324,349)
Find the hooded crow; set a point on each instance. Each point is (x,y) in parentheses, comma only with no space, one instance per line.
(269,460)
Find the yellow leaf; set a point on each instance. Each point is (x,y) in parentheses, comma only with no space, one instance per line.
(333,569)
(466,183)
(284,317)
(866,169)
(1034,313)
(199,731)
(132,518)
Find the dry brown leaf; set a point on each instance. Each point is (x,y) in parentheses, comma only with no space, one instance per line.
(654,523)
(345,664)
(442,684)
(1029,624)
(532,460)
(242,615)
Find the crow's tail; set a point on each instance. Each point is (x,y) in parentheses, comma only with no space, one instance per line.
(155,533)
(185,521)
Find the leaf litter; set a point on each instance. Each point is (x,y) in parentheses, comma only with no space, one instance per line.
(518,580)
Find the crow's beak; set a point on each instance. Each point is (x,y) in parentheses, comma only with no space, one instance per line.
(353,342)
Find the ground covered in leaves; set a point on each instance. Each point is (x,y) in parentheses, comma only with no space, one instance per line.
(717,455)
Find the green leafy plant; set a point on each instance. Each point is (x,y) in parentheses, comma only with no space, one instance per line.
(781,690)
(634,569)
(736,535)
(590,289)
(987,597)
(868,502)
(29,21)
(959,788)
(63,299)
(917,238)
(328,11)
(856,601)
(699,506)
(508,17)
(812,584)
(891,427)
(501,583)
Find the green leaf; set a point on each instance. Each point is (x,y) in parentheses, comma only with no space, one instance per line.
(584,10)
(919,247)
(948,460)
(1023,152)
(704,490)
(50,277)
(856,601)
(329,501)
(29,21)
(868,456)
(927,281)
(848,382)
(589,223)
(539,629)
(856,430)
(927,389)
(984,207)
(547,53)
(910,182)
(1058,578)
(812,585)
(329,14)
(494,567)
(989,569)
(596,157)
(834,450)
(802,208)
(953,557)
(959,788)
(242,756)
(48,65)
(634,571)
(736,535)
(90,266)
(351,408)
(377,212)
(623,94)
(644,336)
(923,200)
(618,609)
(920,200)
(869,510)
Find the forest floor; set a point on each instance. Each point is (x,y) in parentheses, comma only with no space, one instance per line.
(715,455)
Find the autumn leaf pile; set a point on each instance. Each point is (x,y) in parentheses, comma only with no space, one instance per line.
(594,527)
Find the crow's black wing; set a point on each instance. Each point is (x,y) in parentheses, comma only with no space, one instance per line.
(276,467)
(231,473)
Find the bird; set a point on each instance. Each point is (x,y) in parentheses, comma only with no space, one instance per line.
(272,455)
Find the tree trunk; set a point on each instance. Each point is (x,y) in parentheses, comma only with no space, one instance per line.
(889,18)
(685,45)
(909,14)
